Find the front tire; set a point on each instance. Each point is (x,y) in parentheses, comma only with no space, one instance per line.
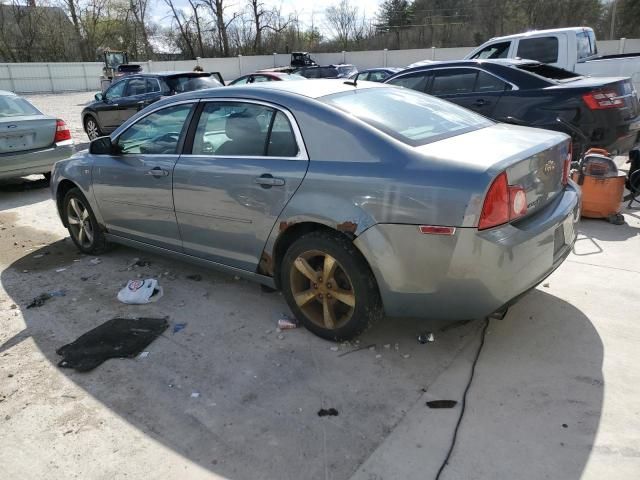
(82,224)
(92,128)
(329,286)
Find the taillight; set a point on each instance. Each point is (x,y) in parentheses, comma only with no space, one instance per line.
(567,165)
(603,99)
(502,204)
(62,132)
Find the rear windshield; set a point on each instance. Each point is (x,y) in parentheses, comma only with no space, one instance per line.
(411,117)
(191,83)
(347,69)
(547,71)
(11,106)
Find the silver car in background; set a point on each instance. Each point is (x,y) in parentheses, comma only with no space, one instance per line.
(30,142)
(354,200)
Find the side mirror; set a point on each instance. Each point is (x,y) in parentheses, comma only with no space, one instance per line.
(102,146)
(99,97)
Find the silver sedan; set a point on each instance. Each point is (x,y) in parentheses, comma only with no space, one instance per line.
(30,142)
(354,200)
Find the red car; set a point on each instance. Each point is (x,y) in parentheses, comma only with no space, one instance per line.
(265,77)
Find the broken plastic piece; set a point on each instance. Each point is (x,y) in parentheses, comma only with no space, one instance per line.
(426,337)
(179,326)
(138,292)
(328,412)
(442,404)
(195,394)
(285,322)
(95,261)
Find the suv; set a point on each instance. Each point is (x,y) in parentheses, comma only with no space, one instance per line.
(132,93)
(327,71)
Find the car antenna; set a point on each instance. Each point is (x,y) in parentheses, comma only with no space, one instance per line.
(353,82)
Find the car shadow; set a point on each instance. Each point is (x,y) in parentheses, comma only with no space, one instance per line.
(235,396)
(17,192)
(592,231)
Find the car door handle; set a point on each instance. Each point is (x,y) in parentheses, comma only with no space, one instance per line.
(158,172)
(267,181)
(480,102)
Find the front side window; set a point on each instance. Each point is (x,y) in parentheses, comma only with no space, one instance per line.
(542,49)
(261,78)
(378,76)
(156,134)
(414,81)
(243,129)
(116,91)
(241,80)
(136,86)
(152,85)
(495,50)
(411,117)
(453,81)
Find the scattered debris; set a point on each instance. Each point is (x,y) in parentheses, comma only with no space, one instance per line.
(40,255)
(426,337)
(196,277)
(195,394)
(564,425)
(545,285)
(327,412)
(43,297)
(372,348)
(136,262)
(95,261)
(406,355)
(236,277)
(143,355)
(178,327)
(13,306)
(366,347)
(116,338)
(280,337)
(442,404)
(59,270)
(286,322)
(138,292)
(378,356)
(334,349)
(396,347)
(387,346)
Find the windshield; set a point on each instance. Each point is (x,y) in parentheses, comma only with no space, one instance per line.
(411,117)
(292,76)
(11,106)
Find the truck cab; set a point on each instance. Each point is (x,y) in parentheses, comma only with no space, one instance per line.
(560,47)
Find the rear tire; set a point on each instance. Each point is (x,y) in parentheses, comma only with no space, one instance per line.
(82,224)
(329,286)
(92,128)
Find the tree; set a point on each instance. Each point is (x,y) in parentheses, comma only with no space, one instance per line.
(394,16)
(342,19)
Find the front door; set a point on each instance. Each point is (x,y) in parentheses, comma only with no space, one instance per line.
(134,188)
(108,110)
(246,161)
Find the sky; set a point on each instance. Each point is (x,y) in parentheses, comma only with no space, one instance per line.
(308,11)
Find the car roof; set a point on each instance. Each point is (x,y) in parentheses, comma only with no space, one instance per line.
(168,74)
(317,88)
(505,62)
(549,31)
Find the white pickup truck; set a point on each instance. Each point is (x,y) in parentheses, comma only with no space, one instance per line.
(569,48)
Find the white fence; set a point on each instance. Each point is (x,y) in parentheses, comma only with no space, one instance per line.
(61,77)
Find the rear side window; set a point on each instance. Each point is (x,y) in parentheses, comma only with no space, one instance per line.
(152,85)
(411,117)
(11,106)
(586,47)
(489,83)
(136,86)
(542,49)
(378,76)
(243,129)
(191,82)
(496,50)
(414,81)
(453,82)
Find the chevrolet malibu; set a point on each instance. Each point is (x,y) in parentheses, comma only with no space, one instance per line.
(355,200)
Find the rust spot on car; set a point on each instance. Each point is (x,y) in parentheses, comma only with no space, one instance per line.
(284,226)
(347,227)
(265,266)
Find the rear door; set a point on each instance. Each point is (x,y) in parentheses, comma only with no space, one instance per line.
(134,98)
(134,189)
(472,88)
(247,160)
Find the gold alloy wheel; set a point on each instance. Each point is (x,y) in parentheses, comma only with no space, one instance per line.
(322,289)
(79,222)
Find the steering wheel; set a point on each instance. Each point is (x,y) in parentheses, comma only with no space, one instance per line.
(156,145)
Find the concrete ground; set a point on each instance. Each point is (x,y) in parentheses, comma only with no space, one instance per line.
(554,395)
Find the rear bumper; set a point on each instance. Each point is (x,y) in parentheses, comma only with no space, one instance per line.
(472,273)
(620,139)
(34,161)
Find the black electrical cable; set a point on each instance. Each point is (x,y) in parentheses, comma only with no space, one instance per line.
(464,400)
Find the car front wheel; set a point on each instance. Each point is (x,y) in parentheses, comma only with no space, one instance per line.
(329,286)
(92,128)
(82,224)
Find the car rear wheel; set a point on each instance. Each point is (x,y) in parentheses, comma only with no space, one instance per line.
(92,128)
(329,286)
(82,224)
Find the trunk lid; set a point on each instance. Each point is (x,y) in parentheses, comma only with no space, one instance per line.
(531,157)
(18,134)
